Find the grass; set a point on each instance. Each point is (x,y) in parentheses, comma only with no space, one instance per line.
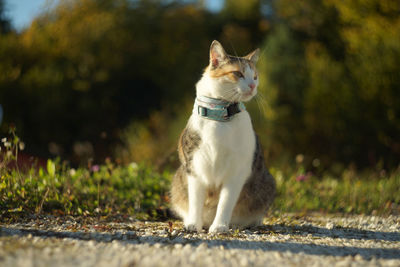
(367,192)
(102,190)
(137,190)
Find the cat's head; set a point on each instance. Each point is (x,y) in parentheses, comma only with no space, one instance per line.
(236,78)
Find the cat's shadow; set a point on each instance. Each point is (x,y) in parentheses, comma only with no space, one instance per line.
(336,232)
(244,243)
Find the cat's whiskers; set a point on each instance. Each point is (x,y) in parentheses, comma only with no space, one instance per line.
(259,105)
(262,98)
(230,93)
(236,96)
(261,102)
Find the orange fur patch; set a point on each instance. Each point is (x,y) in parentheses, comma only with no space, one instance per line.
(227,69)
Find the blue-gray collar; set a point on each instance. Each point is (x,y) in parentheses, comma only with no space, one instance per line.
(216,109)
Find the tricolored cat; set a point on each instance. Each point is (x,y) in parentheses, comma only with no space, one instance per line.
(222,181)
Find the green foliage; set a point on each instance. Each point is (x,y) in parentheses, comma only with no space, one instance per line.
(119,76)
(242,9)
(9,149)
(87,68)
(331,69)
(369,192)
(282,82)
(89,77)
(103,190)
(138,190)
(155,140)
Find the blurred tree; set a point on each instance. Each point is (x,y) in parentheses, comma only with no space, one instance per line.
(4,21)
(371,31)
(87,68)
(243,9)
(244,27)
(283,79)
(90,73)
(344,105)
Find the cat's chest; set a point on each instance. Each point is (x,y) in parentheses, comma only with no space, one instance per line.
(226,149)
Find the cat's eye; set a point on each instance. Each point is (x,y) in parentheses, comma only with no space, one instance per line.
(255,77)
(238,74)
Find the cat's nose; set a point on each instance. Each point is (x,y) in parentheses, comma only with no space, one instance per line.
(252,86)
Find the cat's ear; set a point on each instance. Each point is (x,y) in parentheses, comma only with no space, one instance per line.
(217,54)
(253,56)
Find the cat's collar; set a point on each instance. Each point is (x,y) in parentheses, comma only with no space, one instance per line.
(216,109)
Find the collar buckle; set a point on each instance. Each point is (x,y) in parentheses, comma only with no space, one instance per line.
(216,109)
(232,109)
(202,111)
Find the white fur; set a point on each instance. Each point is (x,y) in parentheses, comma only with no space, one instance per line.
(225,155)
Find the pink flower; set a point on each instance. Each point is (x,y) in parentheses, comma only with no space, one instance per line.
(302,178)
(95,168)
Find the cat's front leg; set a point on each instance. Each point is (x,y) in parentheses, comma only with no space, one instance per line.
(227,201)
(196,191)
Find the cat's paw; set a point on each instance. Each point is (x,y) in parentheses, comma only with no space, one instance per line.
(193,227)
(218,228)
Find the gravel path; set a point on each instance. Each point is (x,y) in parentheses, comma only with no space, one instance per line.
(308,240)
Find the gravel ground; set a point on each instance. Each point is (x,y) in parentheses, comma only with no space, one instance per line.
(287,239)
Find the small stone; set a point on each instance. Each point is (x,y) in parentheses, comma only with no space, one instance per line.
(157,245)
(130,234)
(162,232)
(187,247)
(91,243)
(178,246)
(244,262)
(278,255)
(358,257)
(193,257)
(329,226)
(202,246)
(46,250)
(174,232)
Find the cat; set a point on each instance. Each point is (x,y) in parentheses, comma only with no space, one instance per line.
(222,181)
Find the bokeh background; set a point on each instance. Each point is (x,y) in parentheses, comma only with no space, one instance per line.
(96,79)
